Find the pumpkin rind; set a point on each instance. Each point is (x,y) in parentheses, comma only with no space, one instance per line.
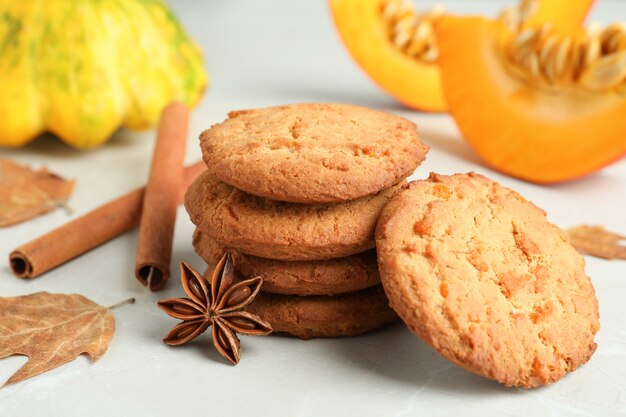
(82,69)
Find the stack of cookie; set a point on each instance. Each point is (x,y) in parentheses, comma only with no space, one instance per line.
(294,193)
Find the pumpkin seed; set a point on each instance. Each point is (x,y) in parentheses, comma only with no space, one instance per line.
(438,10)
(546,50)
(419,41)
(578,58)
(410,32)
(390,9)
(607,73)
(510,18)
(610,37)
(431,55)
(514,17)
(592,51)
(561,56)
(527,8)
(533,65)
(594,60)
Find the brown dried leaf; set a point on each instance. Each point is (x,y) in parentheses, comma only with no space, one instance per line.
(598,242)
(52,329)
(25,193)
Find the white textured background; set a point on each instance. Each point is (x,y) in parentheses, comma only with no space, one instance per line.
(263,53)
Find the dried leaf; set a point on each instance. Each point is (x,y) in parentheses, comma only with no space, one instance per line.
(25,193)
(598,242)
(52,329)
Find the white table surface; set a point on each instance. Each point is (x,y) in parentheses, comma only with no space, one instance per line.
(265,53)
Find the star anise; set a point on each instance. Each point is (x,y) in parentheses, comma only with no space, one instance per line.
(222,305)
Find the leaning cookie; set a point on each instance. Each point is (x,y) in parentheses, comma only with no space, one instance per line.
(285,231)
(481,275)
(323,316)
(330,277)
(312,153)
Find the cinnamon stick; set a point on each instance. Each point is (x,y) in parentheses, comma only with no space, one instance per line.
(86,232)
(156,228)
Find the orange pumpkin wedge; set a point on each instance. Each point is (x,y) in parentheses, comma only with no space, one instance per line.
(364,31)
(397,48)
(552,120)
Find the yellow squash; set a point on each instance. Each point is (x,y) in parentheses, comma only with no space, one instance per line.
(82,68)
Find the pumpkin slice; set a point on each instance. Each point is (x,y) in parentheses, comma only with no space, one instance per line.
(397,48)
(412,78)
(535,104)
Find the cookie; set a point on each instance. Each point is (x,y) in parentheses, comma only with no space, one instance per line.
(278,230)
(323,316)
(334,276)
(312,153)
(481,275)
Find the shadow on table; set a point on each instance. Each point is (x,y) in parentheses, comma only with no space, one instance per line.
(397,354)
(51,146)
(450,144)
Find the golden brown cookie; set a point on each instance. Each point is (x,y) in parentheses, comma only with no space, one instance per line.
(330,277)
(279,230)
(312,153)
(481,275)
(323,316)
